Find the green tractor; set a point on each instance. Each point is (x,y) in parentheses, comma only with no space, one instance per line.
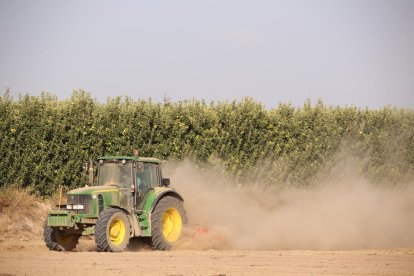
(126,197)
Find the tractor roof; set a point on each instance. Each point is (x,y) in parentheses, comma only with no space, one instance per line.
(139,159)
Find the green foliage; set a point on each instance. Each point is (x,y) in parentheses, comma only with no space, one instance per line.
(44,141)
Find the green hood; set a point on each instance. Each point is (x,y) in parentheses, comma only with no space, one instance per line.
(93,189)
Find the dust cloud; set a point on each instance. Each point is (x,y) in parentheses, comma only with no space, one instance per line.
(342,212)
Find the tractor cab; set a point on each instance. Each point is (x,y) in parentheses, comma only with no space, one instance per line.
(132,176)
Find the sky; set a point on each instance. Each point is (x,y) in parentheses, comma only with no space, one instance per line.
(345,52)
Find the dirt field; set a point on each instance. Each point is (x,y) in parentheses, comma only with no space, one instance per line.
(23,257)
(328,221)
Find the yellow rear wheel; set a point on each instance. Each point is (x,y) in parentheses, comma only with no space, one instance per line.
(172,225)
(167,221)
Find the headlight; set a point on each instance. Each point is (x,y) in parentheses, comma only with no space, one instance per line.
(78,207)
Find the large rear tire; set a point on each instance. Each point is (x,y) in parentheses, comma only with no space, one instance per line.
(112,231)
(167,221)
(59,240)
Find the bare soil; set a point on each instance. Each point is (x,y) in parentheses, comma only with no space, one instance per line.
(31,257)
(349,230)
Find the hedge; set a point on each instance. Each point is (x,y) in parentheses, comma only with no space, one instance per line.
(44,140)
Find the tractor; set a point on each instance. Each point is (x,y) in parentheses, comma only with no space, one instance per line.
(126,196)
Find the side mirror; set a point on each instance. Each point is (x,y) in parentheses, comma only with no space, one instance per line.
(165,182)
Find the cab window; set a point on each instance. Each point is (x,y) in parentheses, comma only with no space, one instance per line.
(154,179)
(147,177)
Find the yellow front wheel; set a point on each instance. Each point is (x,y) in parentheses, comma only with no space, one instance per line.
(167,222)
(58,240)
(112,231)
(117,231)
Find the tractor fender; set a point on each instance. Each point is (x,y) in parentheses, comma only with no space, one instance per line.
(161,192)
(154,196)
(135,229)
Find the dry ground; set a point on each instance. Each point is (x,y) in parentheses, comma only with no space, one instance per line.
(22,252)
(30,257)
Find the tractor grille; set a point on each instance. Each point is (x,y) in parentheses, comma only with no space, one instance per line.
(85,200)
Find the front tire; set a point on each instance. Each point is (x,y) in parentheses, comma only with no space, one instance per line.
(112,231)
(167,222)
(59,240)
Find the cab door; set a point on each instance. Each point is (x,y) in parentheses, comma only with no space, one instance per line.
(147,178)
(126,181)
